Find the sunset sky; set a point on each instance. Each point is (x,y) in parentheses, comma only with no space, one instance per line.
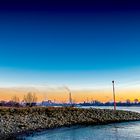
(45,46)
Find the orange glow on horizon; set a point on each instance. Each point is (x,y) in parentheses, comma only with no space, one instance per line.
(77,95)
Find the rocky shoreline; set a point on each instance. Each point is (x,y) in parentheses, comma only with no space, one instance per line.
(14,121)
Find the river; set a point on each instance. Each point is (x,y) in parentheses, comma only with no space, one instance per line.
(115,131)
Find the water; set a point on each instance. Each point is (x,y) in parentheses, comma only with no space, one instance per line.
(116,131)
(134,109)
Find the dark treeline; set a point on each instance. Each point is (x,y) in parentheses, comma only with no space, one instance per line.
(96,103)
(30,100)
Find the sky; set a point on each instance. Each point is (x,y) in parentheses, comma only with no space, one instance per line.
(83,45)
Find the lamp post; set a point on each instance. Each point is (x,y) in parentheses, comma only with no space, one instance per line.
(113,82)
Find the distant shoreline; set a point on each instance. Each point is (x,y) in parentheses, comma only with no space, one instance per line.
(17,121)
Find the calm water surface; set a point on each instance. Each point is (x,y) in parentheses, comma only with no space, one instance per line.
(135,109)
(116,131)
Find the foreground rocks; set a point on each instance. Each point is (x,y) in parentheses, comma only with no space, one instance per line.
(15,121)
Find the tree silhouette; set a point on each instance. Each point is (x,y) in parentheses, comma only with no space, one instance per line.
(15,101)
(30,99)
(136,101)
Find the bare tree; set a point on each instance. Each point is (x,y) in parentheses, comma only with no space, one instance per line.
(30,99)
(136,101)
(128,101)
(15,101)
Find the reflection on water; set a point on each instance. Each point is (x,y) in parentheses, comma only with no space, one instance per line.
(116,131)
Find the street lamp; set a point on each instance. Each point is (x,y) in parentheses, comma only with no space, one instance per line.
(113,82)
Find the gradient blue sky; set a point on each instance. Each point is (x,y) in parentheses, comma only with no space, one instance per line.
(78,44)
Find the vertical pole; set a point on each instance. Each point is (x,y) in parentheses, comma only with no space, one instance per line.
(113,82)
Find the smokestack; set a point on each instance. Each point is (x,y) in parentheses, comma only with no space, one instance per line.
(70,98)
